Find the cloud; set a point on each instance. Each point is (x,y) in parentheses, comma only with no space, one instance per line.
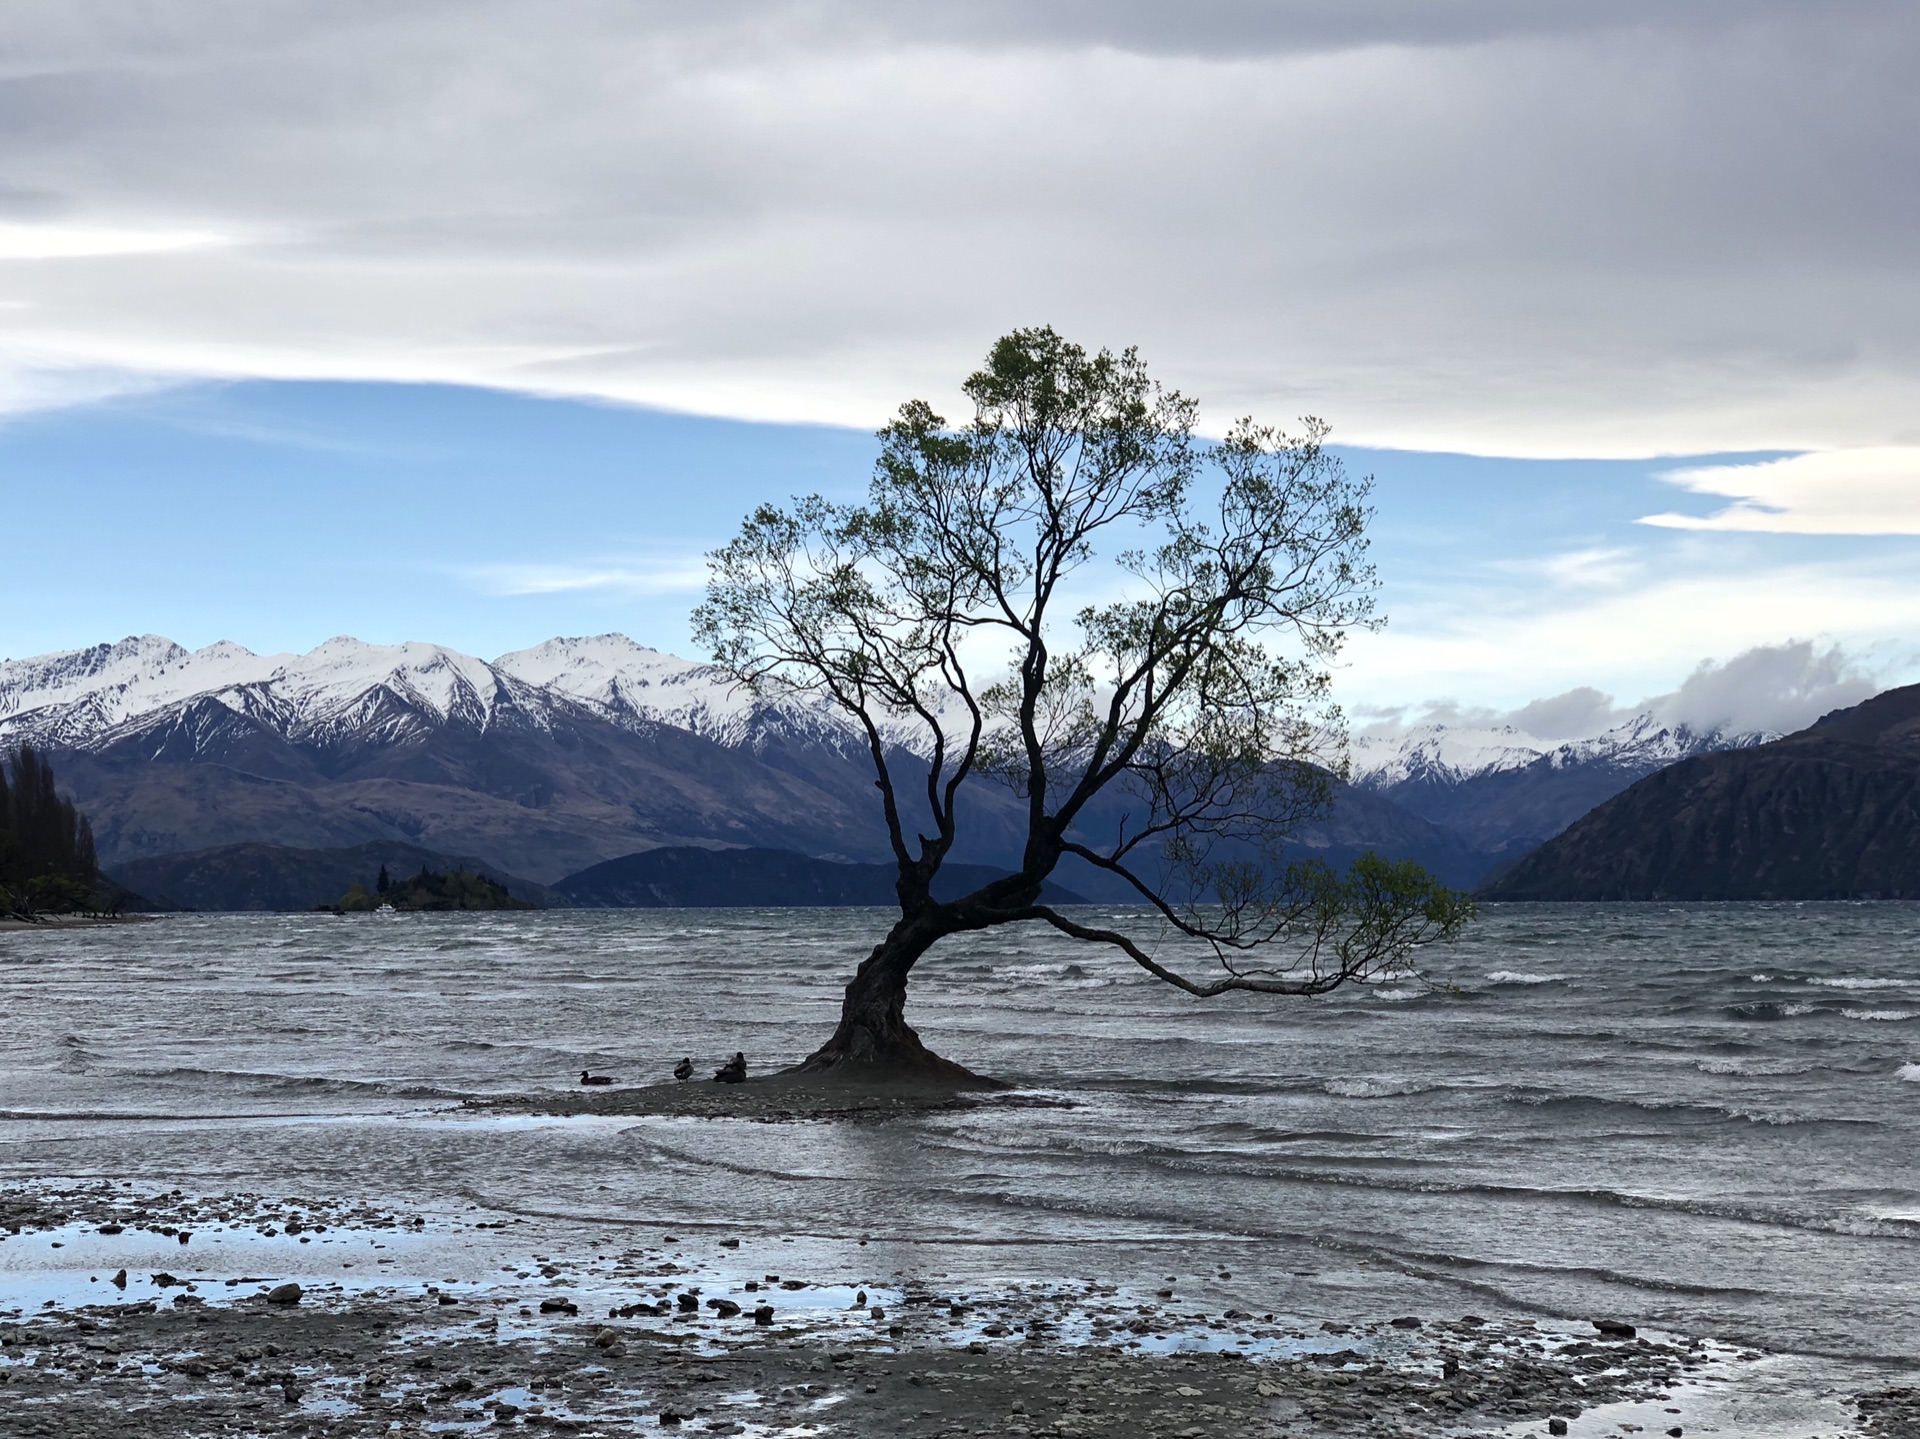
(1507,645)
(1580,711)
(1769,689)
(73,242)
(1499,226)
(1773,689)
(669,577)
(1839,492)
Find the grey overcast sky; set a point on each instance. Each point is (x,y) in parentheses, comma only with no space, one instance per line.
(1508,228)
(1513,228)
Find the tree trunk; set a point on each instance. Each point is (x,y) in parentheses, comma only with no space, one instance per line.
(873,1039)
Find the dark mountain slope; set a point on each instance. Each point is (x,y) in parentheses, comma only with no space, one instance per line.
(1359,820)
(1832,812)
(276,877)
(537,798)
(1511,811)
(550,793)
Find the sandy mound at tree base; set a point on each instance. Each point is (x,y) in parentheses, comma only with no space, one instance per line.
(848,1089)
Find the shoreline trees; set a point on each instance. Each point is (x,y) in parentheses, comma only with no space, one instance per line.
(47,861)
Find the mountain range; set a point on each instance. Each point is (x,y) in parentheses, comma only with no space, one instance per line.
(1830,812)
(550,760)
(1504,791)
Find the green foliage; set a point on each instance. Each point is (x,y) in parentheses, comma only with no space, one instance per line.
(429,890)
(1195,706)
(47,862)
(356,900)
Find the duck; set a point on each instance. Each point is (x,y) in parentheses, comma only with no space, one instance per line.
(683,1070)
(733,1072)
(588,1077)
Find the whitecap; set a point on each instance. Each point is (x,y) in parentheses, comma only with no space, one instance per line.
(1756,1067)
(1510,976)
(1909,1072)
(1890,1015)
(1383,1086)
(1863,983)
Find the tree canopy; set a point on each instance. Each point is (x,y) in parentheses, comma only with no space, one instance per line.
(46,846)
(1163,717)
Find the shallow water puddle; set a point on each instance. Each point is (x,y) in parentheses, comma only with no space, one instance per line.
(1739,1396)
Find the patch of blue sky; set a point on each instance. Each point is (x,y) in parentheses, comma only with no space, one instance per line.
(278,514)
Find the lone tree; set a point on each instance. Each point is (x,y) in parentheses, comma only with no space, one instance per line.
(1174,738)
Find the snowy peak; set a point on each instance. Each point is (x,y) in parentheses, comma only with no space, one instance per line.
(346,687)
(612,675)
(75,698)
(66,698)
(1440,753)
(58,678)
(630,684)
(347,690)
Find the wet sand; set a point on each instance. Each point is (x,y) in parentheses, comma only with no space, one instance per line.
(665,1335)
(779,1097)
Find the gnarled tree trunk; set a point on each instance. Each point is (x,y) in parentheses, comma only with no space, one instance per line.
(873,1039)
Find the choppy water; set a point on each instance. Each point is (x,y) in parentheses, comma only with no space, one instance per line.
(1701,1118)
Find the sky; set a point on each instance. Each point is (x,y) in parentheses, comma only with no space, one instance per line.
(478,322)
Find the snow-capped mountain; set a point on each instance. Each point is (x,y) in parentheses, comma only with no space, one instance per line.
(1450,753)
(627,683)
(348,690)
(542,761)
(86,699)
(552,758)
(1504,790)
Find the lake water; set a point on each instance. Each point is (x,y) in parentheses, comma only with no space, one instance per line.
(1700,1118)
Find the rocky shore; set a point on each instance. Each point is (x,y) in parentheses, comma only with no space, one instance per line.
(261,1367)
(700,1336)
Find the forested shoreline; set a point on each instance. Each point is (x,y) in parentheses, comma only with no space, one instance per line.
(47,862)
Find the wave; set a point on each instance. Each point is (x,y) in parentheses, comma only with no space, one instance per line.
(1374,1087)
(266,1081)
(1771,1009)
(1756,1067)
(1909,1072)
(1889,1016)
(1863,983)
(1510,976)
(1703,1109)
(1058,976)
(1232,1129)
(1351,1173)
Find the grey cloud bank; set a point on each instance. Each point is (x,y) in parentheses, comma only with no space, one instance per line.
(1500,228)
(1770,689)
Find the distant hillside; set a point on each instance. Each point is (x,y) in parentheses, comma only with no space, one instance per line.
(1832,812)
(278,877)
(683,877)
